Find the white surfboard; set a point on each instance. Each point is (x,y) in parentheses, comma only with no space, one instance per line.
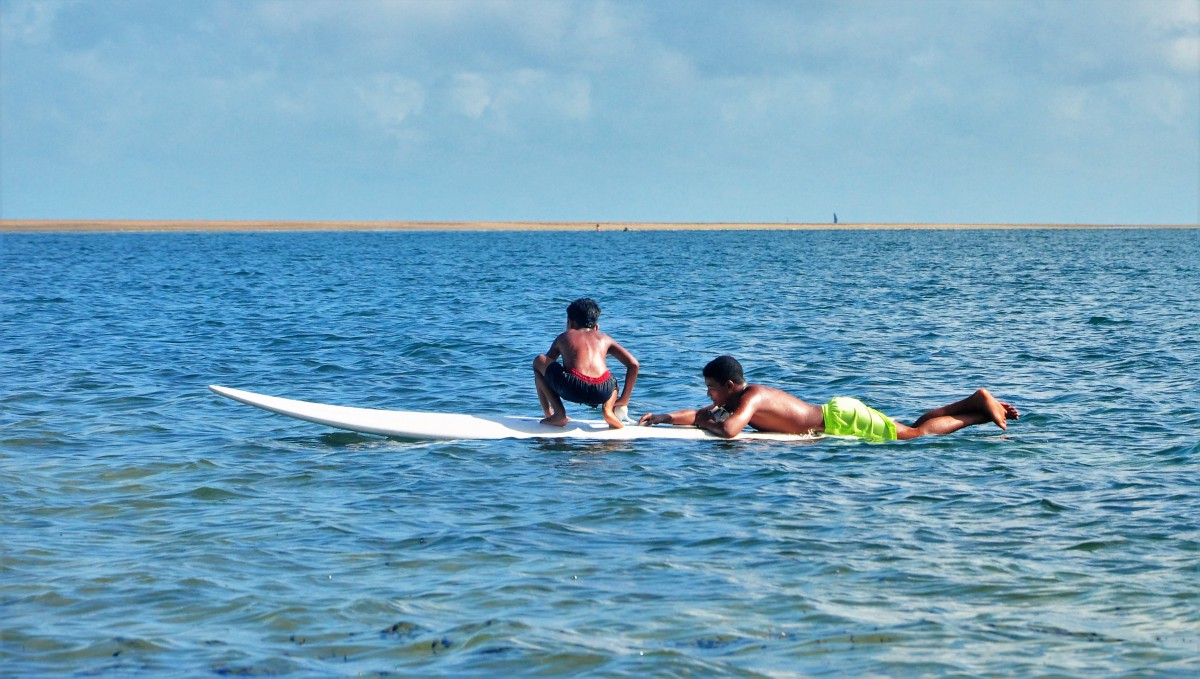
(408,424)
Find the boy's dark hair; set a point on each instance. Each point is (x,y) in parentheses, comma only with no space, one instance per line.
(584,312)
(725,369)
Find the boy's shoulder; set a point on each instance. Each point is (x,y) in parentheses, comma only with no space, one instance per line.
(601,336)
(591,336)
(571,334)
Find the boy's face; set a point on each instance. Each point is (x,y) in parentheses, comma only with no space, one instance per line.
(718,392)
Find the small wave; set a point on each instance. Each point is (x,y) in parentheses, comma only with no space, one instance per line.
(1096,545)
(42,300)
(210,494)
(1105,320)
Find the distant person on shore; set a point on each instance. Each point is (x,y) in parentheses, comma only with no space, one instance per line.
(736,404)
(583,375)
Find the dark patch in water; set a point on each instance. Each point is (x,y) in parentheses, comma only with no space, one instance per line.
(340,439)
(403,629)
(1051,506)
(227,671)
(1060,632)
(1104,320)
(1094,545)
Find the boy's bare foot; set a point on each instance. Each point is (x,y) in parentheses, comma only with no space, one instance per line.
(556,420)
(999,412)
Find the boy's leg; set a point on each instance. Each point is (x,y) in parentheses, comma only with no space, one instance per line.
(939,425)
(977,408)
(546,397)
(609,416)
(539,370)
(552,405)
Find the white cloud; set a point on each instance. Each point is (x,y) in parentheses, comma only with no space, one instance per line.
(459,35)
(391,100)
(469,94)
(1134,67)
(768,99)
(1172,27)
(572,98)
(670,68)
(1183,54)
(28,21)
(1070,104)
(511,98)
(532,94)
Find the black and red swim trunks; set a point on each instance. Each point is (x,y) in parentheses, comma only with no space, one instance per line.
(572,385)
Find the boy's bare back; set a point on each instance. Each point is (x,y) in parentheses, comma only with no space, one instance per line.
(583,350)
(770,409)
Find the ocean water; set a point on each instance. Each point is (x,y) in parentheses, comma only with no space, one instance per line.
(149,527)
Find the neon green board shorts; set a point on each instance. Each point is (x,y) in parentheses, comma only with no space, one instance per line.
(851,417)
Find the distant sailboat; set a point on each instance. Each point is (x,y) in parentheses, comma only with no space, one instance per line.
(835,218)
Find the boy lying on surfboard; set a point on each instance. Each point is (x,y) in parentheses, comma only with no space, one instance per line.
(736,404)
(583,375)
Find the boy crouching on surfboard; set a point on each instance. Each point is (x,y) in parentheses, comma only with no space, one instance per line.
(583,375)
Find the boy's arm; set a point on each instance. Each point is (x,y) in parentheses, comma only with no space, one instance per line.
(684,418)
(734,423)
(554,352)
(631,371)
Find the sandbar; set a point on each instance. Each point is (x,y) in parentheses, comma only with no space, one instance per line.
(203,226)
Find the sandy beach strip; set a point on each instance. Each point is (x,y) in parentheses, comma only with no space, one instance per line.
(201,226)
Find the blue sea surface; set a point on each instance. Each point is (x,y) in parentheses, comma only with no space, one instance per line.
(150,527)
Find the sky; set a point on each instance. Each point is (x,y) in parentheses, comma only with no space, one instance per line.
(944,111)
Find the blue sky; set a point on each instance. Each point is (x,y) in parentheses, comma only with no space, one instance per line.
(1058,111)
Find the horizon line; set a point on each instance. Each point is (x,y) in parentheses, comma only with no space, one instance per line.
(281,225)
